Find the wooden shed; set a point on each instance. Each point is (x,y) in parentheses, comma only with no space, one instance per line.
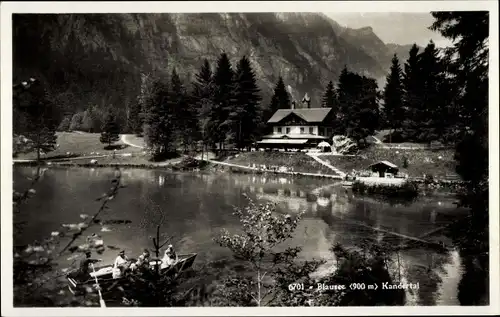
(383,167)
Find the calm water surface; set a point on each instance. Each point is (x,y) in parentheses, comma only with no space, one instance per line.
(195,207)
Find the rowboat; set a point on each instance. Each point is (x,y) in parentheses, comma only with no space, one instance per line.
(104,274)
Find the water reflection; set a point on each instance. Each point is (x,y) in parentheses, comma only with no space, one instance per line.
(436,273)
(195,207)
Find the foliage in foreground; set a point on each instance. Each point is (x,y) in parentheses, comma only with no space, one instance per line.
(270,272)
(263,230)
(468,64)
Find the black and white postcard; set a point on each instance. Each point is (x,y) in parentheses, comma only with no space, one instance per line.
(249,158)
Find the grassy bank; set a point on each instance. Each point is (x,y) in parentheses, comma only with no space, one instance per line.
(298,162)
(439,163)
(81,144)
(132,161)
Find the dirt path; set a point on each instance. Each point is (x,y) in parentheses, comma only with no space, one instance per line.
(333,168)
(125,140)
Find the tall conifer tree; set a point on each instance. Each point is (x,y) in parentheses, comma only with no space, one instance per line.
(280,99)
(248,103)
(393,96)
(329,98)
(159,122)
(412,99)
(183,116)
(433,115)
(224,101)
(358,101)
(202,98)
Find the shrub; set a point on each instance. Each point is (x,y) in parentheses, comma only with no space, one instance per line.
(429,179)
(409,190)
(189,162)
(405,162)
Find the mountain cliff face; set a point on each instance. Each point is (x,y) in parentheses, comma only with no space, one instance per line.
(97,59)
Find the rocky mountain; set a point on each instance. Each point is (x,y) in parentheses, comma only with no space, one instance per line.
(97,59)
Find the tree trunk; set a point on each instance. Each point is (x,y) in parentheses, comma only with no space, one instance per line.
(38,149)
(157,250)
(239,136)
(258,285)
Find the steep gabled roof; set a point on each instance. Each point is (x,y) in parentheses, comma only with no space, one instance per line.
(309,115)
(387,163)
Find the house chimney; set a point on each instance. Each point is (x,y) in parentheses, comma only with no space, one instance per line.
(293,104)
(306,101)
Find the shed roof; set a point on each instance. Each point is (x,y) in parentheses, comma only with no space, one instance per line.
(385,163)
(309,115)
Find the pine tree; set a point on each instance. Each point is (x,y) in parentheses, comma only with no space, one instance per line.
(224,102)
(412,86)
(203,80)
(434,115)
(393,96)
(110,129)
(358,101)
(202,99)
(344,97)
(134,118)
(138,112)
(182,113)
(280,99)
(247,114)
(365,116)
(330,97)
(159,122)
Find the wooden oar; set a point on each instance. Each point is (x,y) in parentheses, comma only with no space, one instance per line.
(101,301)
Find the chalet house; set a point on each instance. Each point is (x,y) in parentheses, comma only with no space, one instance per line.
(298,128)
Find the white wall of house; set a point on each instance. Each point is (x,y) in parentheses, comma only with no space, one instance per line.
(296,129)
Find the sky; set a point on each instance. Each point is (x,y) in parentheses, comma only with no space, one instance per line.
(394,27)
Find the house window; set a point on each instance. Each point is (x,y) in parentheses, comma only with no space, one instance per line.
(302,130)
(311,130)
(287,130)
(279,129)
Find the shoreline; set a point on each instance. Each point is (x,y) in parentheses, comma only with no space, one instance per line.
(213,166)
(210,165)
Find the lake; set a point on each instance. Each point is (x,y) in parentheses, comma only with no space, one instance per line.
(194,207)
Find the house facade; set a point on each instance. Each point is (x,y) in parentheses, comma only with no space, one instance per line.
(298,128)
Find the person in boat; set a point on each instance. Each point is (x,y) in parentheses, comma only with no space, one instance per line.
(170,257)
(84,269)
(121,264)
(143,260)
